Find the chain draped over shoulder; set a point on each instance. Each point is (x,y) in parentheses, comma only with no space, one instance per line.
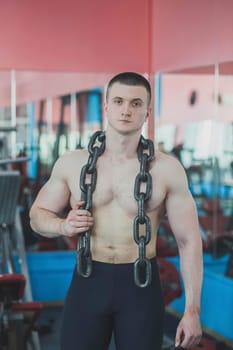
(145,153)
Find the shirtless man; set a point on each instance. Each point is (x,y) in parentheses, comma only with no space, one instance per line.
(109,300)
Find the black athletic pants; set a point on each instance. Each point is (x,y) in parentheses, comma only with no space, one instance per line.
(109,301)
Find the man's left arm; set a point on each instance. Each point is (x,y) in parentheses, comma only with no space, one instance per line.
(183,219)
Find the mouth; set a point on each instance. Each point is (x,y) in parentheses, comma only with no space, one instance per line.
(125,121)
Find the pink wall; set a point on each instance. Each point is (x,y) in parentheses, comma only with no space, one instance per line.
(110,36)
(74,35)
(191,33)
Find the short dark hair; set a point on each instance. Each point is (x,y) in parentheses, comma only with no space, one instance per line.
(130,78)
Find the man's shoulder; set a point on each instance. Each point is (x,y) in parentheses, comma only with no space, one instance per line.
(70,160)
(167,167)
(75,155)
(166,160)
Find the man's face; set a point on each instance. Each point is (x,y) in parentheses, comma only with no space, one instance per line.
(127,107)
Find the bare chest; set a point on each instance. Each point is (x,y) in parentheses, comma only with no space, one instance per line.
(116,183)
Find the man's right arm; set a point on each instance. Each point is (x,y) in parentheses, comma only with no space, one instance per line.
(46,214)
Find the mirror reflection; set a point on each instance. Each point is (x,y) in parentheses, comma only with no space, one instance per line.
(56,112)
(194,122)
(44,114)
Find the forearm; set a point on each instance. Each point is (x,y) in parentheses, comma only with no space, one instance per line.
(45,222)
(191,266)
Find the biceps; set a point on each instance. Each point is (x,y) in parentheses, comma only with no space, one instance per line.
(182,215)
(53,196)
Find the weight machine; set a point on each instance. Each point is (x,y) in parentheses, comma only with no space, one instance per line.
(18,312)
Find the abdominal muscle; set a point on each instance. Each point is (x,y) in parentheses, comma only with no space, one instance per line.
(112,238)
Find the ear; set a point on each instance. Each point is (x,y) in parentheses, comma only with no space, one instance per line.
(148,114)
(105,107)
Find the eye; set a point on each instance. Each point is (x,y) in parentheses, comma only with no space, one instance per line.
(117,101)
(137,103)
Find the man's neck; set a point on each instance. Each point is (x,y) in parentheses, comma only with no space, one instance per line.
(120,145)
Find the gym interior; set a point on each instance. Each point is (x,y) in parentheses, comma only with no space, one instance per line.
(55,60)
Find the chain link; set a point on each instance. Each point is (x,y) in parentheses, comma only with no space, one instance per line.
(88,180)
(142,266)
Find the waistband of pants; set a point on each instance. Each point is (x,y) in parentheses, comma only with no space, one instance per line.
(118,266)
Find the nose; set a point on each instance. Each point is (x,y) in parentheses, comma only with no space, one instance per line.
(126,111)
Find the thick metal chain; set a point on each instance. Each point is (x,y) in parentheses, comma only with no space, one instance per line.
(142,266)
(88,179)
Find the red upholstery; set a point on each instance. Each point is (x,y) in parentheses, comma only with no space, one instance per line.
(170,280)
(31,311)
(208,344)
(11,287)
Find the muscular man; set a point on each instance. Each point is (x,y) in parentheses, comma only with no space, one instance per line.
(109,300)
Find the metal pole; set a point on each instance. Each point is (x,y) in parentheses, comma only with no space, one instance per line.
(24,270)
(13,113)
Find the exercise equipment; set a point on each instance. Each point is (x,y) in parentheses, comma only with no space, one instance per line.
(209,344)
(170,280)
(84,101)
(9,191)
(166,244)
(13,160)
(218,231)
(205,344)
(17,317)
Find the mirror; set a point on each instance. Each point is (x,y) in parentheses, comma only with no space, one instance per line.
(223,218)
(184,121)
(43,114)
(58,111)
(185,112)
(194,122)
